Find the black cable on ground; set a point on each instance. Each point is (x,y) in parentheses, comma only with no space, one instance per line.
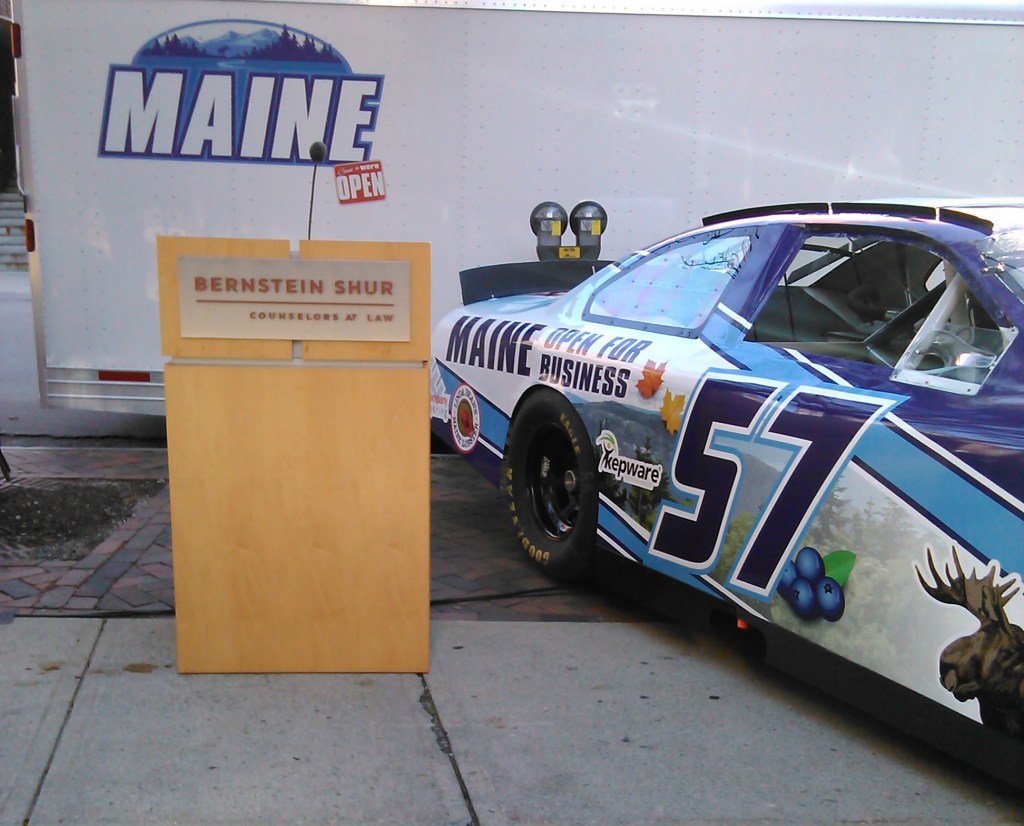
(551,590)
(50,613)
(547,591)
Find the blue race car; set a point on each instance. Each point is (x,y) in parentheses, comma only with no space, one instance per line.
(812,414)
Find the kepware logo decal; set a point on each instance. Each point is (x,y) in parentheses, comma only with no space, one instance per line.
(631,471)
(238,90)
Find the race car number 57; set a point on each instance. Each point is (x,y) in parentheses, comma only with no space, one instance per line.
(810,430)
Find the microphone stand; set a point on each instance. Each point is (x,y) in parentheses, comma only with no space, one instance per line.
(317,153)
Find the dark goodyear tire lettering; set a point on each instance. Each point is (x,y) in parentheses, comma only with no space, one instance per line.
(550,475)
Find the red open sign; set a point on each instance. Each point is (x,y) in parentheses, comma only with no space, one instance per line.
(359,181)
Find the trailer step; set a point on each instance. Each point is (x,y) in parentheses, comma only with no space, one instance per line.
(13,256)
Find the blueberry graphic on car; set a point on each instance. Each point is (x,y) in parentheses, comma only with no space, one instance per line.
(812,585)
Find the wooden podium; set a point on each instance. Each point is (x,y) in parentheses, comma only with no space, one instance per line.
(299,467)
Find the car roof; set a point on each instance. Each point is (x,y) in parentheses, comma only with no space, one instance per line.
(982,214)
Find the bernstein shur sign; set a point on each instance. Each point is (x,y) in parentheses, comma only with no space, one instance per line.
(282,298)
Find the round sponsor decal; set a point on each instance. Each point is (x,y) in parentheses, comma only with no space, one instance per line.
(465,418)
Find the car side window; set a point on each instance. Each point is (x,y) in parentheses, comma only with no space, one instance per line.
(674,289)
(883,301)
(838,290)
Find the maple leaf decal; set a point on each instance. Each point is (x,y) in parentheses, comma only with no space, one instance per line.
(651,381)
(672,411)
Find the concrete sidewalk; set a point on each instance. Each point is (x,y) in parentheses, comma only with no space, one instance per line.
(529,723)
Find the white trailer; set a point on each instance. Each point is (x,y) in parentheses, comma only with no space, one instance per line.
(140,118)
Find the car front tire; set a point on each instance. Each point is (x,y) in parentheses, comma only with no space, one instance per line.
(550,476)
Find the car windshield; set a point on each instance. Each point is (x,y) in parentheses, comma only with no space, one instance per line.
(1003,254)
(674,289)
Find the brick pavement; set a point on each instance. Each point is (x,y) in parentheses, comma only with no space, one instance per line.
(474,559)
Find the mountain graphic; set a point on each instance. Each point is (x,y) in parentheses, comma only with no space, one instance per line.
(241,40)
(235,44)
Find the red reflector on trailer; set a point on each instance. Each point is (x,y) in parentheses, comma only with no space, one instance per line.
(16,40)
(30,235)
(741,624)
(123,375)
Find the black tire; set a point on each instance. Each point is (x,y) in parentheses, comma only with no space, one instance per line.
(550,476)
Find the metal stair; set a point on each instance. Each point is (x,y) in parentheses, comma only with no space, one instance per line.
(13,257)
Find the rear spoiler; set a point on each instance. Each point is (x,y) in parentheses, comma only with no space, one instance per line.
(502,280)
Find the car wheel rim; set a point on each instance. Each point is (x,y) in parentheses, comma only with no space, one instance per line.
(553,480)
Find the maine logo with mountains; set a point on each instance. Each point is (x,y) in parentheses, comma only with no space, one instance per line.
(239,90)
